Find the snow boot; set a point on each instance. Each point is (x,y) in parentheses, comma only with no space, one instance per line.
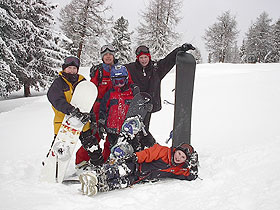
(88,183)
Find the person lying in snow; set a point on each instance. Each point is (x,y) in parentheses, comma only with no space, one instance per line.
(152,163)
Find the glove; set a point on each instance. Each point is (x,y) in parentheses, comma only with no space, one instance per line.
(88,140)
(131,158)
(83,117)
(194,159)
(101,128)
(187,46)
(93,123)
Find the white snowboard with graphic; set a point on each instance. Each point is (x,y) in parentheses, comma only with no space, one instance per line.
(57,162)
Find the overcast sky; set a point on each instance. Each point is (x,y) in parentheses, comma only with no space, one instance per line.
(198,15)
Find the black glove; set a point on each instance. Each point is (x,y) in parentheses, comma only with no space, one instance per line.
(93,123)
(87,139)
(135,89)
(91,145)
(194,159)
(83,117)
(187,46)
(101,128)
(131,158)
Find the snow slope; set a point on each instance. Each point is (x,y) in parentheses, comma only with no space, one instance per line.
(236,131)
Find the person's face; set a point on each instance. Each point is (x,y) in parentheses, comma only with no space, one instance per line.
(71,70)
(179,157)
(108,58)
(144,60)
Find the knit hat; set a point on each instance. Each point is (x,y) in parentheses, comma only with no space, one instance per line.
(142,50)
(186,148)
(71,61)
(108,48)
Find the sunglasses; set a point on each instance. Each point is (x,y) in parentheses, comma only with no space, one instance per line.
(72,59)
(119,81)
(108,47)
(142,49)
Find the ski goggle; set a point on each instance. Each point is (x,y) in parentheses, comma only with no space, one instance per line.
(72,59)
(142,49)
(119,81)
(108,47)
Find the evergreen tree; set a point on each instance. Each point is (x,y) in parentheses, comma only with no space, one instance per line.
(220,38)
(197,55)
(275,57)
(258,42)
(8,80)
(8,26)
(31,42)
(157,30)
(122,40)
(83,22)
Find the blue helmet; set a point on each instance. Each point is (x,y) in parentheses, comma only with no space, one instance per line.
(119,73)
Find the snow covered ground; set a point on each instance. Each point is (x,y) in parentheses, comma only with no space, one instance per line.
(236,131)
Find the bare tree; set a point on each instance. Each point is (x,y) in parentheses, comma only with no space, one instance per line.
(84,20)
(157,31)
(221,37)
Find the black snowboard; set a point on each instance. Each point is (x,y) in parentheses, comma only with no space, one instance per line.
(185,73)
(138,108)
(139,105)
(133,124)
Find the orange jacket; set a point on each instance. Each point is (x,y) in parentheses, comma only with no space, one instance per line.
(156,162)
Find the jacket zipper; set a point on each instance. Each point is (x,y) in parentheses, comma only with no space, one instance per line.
(144,73)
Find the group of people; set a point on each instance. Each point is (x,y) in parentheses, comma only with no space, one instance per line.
(117,85)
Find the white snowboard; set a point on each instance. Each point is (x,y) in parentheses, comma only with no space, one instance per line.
(56,163)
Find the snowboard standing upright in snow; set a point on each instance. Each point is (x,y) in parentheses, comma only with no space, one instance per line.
(185,73)
(56,163)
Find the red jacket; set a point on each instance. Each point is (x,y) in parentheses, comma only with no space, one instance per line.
(114,107)
(156,162)
(100,76)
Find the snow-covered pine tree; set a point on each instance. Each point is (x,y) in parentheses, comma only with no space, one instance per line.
(258,41)
(220,38)
(32,44)
(276,42)
(8,81)
(157,31)
(197,55)
(122,40)
(8,26)
(84,22)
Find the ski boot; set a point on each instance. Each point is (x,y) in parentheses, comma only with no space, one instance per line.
(88,181)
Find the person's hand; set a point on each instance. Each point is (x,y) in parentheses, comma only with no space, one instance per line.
(101,129)
(131,158)
(83,117)
(187,46)
(194,159)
